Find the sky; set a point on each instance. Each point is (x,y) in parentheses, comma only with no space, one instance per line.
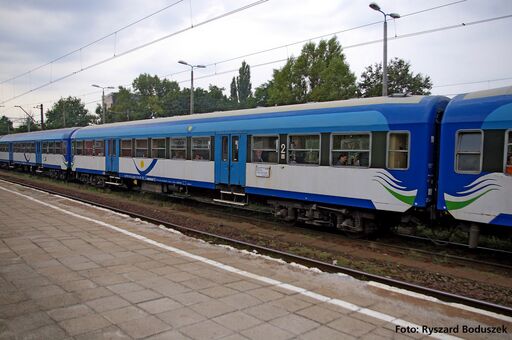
(51,49)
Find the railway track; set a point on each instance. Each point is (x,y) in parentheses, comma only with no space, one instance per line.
(289,257)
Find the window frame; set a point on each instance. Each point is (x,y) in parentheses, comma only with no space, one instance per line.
(288,137)
(94,154)
(82,144)
(59,148)
(164,148)
(505,153)
(121,147)
(455,163)
(84,153)
(333,134)
(276,149)
(408,149)
(185,148)
(147,144)
(209,148)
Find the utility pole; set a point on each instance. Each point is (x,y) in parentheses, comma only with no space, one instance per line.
(40,106)
(191,82)
(103,99)
(376,7)
(29,117)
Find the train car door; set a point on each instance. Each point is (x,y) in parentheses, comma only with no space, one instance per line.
(39,157)
(232,156)
(112,158)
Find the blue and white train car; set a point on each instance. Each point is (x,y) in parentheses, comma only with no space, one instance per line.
(475,181)
(49,149)
(370,154)
(4,152)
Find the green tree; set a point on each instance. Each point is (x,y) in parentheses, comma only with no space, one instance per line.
(319,73)
(211,100)
(400,80)
(243,84)
(123,107)
(233,91)
(261,94)
(6,126)
(71,110)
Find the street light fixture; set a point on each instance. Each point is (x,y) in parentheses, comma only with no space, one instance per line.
(191,82)
(376,7)
(103,99)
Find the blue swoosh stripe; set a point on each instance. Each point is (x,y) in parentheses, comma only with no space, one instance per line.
(148,169)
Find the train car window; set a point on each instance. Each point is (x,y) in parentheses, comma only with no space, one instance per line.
(398,150)
(99,148)
(79,148)
(234,148)
(179,148)
(141,148)
(64,148)
(350,150)
(158,148)
(265,149)
(200,148)
(3,147)
(225,150)
(126,148)
(51,147)
(304,149)
(32,147)
(88,147)
(44,147)
(58,148)
(469,152)
(508,153)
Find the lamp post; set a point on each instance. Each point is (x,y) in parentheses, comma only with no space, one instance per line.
(191,82)
(376,7)
(29,119)
(103,100)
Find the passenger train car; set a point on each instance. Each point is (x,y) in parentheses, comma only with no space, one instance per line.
(44,150)
(348,163)
(475,177)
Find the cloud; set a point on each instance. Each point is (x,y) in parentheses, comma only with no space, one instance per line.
(35,32)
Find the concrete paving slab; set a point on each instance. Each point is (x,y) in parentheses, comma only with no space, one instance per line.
(71,270)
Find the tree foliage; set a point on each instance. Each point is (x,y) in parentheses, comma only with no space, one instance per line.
(400,80)
(319,73)
(233,91)
(153,97)
(70,109)
(6,126)
(243,84)
(241,88)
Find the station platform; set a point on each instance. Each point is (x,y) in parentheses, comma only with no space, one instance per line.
(73,271)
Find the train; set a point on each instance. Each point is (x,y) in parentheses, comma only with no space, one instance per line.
(355,165)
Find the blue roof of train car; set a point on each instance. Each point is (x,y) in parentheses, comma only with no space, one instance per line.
(39,135)
(370,114)
(489,109)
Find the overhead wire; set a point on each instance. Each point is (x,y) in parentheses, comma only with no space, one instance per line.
(91,43)
(408,35)
(293,44)
(439,29)
(259,2)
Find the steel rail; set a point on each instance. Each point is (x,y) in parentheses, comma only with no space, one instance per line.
(326,267)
